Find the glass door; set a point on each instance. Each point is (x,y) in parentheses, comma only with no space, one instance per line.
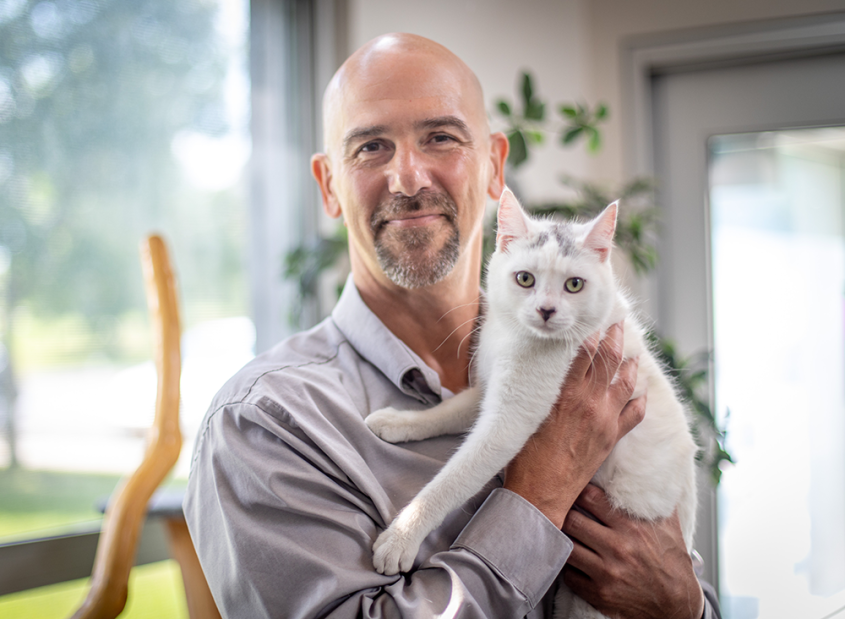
(778,285)
(749,164)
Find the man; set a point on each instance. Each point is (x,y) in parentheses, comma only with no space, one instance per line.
(289,489)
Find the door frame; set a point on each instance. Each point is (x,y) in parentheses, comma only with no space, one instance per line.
(645,57)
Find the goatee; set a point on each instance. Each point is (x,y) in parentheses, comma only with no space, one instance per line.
(409,256)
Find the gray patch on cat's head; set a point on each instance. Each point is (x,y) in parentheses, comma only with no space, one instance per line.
(539,240)
(563,235)
(565,239)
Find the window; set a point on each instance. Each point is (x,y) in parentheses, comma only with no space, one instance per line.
(117,118)
(778,255)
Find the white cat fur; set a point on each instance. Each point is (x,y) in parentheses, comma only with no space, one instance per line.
(521,362)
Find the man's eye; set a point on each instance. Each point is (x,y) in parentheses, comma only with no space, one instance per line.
(370,147)
(442,138)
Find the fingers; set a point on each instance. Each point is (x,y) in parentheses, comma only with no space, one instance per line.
(594,501)
(600,356)
(619,393)
(584,358)
(632,415)
(584,533)
(608,357)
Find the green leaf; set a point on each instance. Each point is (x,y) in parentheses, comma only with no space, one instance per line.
(571,134)
(504,107)
(601,112)
(593,140)
(568,111)
(535,110)
(527,90)
(534,136)
(519,149)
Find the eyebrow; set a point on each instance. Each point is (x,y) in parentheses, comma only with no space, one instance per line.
(445,121)
(437,122)
(362,134)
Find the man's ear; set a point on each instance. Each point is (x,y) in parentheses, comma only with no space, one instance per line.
(322,171)
(499,147)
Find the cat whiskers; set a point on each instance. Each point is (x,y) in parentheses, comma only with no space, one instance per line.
(457,307)
(475,329)
(446,339)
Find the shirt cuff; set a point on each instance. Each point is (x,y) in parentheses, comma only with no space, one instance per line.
(711,602)
(518,541)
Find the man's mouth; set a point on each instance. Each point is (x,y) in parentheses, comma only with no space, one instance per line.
(406,213)
(413,220)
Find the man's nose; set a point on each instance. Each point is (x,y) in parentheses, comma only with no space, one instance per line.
(407,173)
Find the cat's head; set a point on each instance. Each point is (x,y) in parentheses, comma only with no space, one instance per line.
(552,278)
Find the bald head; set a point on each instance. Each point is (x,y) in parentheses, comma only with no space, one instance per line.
(409,164)
(396,67)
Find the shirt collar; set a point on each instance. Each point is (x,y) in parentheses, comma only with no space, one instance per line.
(378,345)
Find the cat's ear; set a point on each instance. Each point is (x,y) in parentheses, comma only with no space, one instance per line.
(511,221)
(600,237)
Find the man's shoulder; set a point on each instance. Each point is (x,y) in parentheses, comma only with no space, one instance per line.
(290,364)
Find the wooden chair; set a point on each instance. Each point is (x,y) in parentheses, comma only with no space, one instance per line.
(127,507)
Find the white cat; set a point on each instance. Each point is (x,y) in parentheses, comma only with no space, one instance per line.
(550,285)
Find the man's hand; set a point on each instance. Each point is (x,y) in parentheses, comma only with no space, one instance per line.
(628,568)
(592,413)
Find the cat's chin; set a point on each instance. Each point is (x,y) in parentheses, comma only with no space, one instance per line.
(546,332)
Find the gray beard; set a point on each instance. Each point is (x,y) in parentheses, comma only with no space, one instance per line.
(407,256)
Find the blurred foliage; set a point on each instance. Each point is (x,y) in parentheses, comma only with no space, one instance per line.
(306,263)
(95,96)
(529,125)
(92,96)
(690,378)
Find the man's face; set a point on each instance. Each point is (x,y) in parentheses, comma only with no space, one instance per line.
(410,166)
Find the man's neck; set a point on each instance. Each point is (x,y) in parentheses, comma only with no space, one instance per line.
(436,322)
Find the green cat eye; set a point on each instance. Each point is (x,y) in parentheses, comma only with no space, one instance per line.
(525,279)
(574,284)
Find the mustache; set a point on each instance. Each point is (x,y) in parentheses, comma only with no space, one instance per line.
(402,205)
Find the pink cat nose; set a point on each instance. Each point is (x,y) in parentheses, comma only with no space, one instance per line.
(546,313)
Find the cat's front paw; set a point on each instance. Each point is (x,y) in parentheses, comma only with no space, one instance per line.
(390,425)
(394,551)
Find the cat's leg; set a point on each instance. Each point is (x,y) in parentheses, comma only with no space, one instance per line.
(453,416)
(493,442)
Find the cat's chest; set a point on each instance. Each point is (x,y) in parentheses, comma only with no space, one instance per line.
(531,370)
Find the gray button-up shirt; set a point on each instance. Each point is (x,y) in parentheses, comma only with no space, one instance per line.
(289,489)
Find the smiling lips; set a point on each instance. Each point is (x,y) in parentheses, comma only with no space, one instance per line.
(414,220)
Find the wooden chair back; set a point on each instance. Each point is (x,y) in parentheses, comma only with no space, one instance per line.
(127,507)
